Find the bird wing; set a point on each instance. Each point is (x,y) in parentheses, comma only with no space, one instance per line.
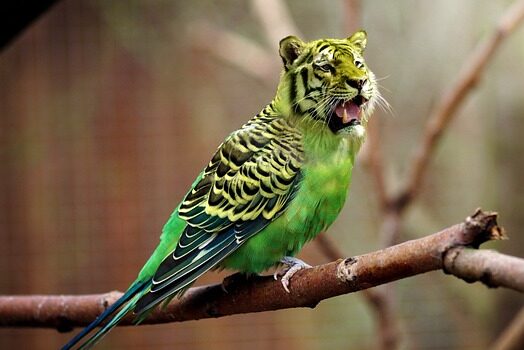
(248,183)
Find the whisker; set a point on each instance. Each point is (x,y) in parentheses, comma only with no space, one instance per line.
(382,87)
(382,78)
(383,104)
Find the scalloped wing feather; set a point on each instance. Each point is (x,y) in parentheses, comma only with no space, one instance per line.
(247,184)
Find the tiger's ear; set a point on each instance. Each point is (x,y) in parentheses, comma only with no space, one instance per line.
(359,39)
(290,48)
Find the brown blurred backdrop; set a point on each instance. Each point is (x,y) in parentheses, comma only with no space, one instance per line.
(109,109)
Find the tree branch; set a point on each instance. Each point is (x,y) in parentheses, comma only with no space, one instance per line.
(352,16)
(491,268)
(250,57)
(371,158)
(258,294)
(440,117)
(246,55)
(275,19)
(512,338)
(445,110)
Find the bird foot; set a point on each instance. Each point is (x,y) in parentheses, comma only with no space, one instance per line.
(293,265)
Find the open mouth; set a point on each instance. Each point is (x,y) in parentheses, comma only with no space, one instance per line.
(347,113)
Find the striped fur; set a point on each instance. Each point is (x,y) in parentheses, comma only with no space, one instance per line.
(321,74)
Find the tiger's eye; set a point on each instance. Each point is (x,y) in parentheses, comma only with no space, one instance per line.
(325,67)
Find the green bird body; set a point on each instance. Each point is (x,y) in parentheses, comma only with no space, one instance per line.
(271,186)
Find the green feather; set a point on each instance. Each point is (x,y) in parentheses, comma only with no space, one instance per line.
(271,186)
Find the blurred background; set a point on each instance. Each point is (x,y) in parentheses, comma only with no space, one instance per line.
(109,109)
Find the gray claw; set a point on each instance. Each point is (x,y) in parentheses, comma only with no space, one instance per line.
(293,266)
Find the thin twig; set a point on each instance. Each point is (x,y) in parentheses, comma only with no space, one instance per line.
(276,20)
(328,248)
(453,98)
(374,297)
(371,159)
(232,48)
(308,288)
(250,57)
(352,16)
(440,117)
(512,338)
(387,329)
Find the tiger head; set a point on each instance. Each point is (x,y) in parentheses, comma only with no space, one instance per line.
(328,81)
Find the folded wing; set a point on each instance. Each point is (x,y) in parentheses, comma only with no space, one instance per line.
(248,183)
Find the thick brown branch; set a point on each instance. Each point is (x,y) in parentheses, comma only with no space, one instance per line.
(309,286)
(489,267)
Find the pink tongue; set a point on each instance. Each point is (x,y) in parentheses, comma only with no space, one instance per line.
(348,111)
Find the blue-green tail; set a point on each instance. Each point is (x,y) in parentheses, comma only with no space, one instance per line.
(127,302)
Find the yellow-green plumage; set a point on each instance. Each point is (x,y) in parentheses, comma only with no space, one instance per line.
(272,185)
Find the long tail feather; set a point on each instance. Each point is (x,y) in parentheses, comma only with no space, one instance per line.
(95,338)
(130,297)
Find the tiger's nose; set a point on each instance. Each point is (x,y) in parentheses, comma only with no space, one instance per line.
(356,83)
